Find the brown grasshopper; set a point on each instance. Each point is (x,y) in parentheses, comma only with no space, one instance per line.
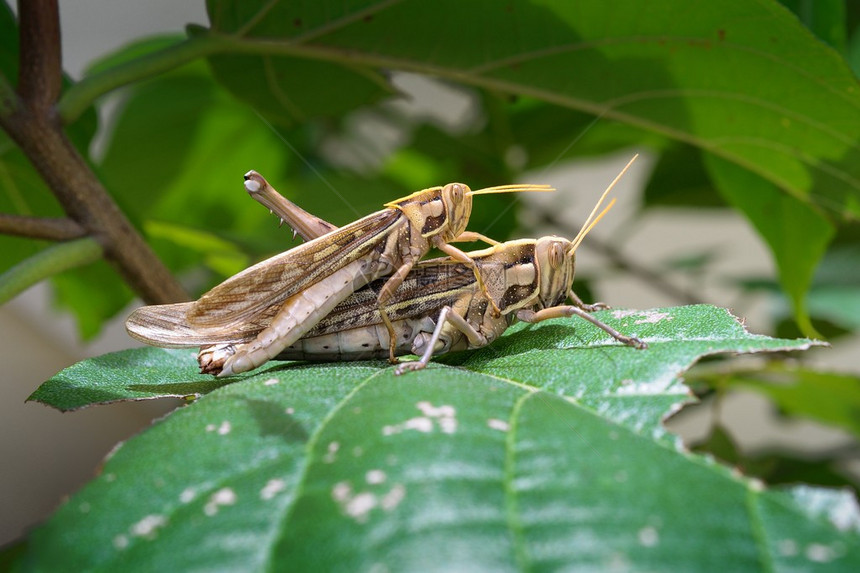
(439,306)
(269,306)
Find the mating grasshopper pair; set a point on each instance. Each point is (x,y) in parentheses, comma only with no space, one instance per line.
(463,301)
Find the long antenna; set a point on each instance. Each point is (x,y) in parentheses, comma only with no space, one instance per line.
(515,188)
(591,221)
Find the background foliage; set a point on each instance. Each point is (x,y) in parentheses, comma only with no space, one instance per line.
(748,105)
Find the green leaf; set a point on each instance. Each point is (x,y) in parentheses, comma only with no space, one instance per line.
(833,297)
(795,232)
(291,90)
(133,51)
(824,17)
(743,80)
(680,179)
(541,356)
(827,397)
(543,452)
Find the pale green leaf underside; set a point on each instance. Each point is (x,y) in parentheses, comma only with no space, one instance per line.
(542,451)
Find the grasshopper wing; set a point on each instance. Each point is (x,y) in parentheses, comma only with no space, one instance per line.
(166,325)
(249,294)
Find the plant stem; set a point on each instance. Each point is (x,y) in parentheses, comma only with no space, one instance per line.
(51,228)
(40,74)
(31,121)
(82,94)
(53,260)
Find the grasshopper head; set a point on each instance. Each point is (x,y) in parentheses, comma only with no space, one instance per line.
(457,198)
(445,210)
(438,210)
(555,262)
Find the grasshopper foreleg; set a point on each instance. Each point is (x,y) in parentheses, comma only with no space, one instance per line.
(569,310)
(446,315)
(585,306)
(471,236)
(394,281)
(462,257)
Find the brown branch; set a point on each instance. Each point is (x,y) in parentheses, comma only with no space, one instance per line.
(50,228)
(31,121)
(40,73)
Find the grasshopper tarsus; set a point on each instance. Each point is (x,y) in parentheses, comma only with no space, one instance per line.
(593,307)
(409,367)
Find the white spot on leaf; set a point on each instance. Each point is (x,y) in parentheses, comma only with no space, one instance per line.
(419,424)
(648,536)
(148,526)
(341,492)
(443,411)
(652,317)
(329,457)
(444,416)
(187,495)
(272,488)
(222,497)
(619,314)
(224,428)
(499,425)
(393,498)
(271,381)
(120,541)
(359,506)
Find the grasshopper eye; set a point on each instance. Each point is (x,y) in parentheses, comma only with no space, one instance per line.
(556,255)
(457,191)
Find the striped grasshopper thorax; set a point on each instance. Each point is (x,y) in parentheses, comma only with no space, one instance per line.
(527,272)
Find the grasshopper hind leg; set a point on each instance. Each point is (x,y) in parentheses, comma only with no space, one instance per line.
(298,315)
(446,316)
(567,311)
